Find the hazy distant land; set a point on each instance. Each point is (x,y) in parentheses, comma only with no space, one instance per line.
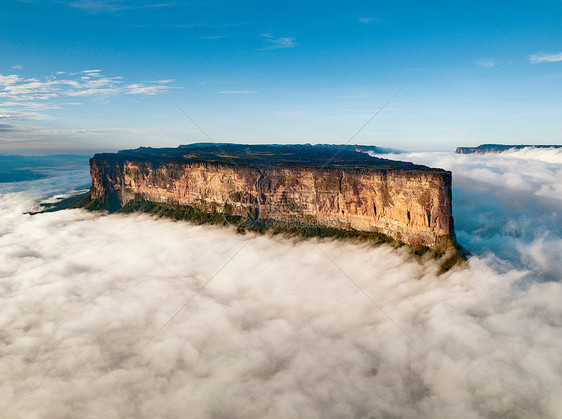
(16,168)
(498,148)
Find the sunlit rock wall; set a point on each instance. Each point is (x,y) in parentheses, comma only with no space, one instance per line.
(413,206)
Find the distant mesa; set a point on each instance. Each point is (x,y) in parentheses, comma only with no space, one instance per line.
(360,148)
(347,147)
(322,190)
(498,148)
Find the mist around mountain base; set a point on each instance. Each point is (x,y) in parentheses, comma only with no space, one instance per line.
(280,330)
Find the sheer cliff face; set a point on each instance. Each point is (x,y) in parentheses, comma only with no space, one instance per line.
(413,206)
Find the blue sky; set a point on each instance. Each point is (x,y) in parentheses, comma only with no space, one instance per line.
(74,73)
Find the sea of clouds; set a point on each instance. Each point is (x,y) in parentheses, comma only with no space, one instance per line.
(507,205)
(280,329)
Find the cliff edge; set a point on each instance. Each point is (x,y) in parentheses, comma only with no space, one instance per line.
(304,184)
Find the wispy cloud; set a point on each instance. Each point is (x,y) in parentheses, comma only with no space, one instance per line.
(141,89)
(8,128)
(34,132)
(84,83)
(371,20)
(213,37)
(236,92)
(17,67)
(34,94)
(545,58)
(486,63)
(278,42)
(191,25)
(37,106)
(7,114)
(100,6)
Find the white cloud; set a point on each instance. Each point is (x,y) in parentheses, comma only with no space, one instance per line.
(142,89)
(36,94)
(370,20)
(6,114)
(9,79)
(99,6)
(29,86)
(17,67)
(487,63)
(494,193)
(30,105)
(279,42)
(136,89)
(84,83)
(284,42)
(94,92)
(242,92)
(545,58)
(165,81)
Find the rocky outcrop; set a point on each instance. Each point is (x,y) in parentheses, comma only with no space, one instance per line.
(295,184)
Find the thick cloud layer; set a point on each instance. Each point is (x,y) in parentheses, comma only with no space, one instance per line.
(508,205)
(280,331)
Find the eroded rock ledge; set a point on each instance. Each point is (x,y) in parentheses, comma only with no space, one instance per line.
(308,185)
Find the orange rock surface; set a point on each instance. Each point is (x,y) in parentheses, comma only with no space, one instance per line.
(410,205)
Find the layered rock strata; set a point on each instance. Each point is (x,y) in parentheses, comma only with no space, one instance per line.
(296,184)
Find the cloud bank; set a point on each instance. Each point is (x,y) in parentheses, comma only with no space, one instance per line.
(279,332)
(505,203)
